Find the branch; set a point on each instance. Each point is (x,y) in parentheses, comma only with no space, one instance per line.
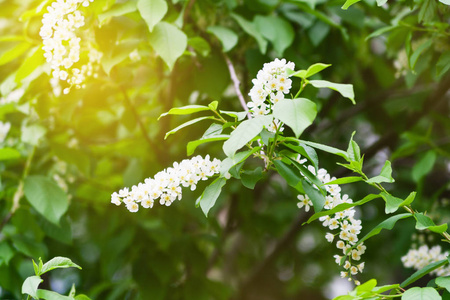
(236,83)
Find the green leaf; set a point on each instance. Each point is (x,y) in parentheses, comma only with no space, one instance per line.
(239,115)
(291,175)
(30,286)
(314,195)
(191,146)
(33,60)
(46,197)
(58,263)
(386,224)
(424,165)
(168,41)
(416,54)
(210,194)
(424,222)
(82,297)
(226,36)
(213,130)
(342,207)
(186,124)
(385,175)
(345,180)
(427,11)
(14,52)
(6,253)
(384,288)
(349,3)
(353,151)
(50,295)
(185,110)
(298,113)
(230,162)
(33,134)
(152,11)
(380,31)
(277,30)
(200,45)
(326,148)
(346,90)
(308,152)
(250,178)
(9,153)
(250,28)
(367,286)
(392,203)
(314,69)
(381,2)
(117,10)
(443,64)
(443,282)
(120,52)
(408,199)
(422,272)
(244,133)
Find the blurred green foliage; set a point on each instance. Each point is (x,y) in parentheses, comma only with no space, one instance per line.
(64,156)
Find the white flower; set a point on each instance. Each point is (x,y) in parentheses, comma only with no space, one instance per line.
(304,201)
(330,237)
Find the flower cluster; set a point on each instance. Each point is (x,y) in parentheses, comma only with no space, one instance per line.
(166,185)
(419,258)
(62,45)
(343,221)
(4,129)
(269,87)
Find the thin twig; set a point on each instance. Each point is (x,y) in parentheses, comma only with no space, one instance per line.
(237,83)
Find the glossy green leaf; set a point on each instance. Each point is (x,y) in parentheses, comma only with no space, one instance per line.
(58,263)
(408,199)
(386,224)
(342,207)
(353,150)
(30,286)
(346,90)
(277,30)
(345,180)
(349,3)
(185,110)
(152,11)
(424,271)
(305,151)
(313,69)
(250,28)
(50,295)
(244,133)
(191,146)
(384,288)
(226,36)
(326,148)
(416,54)
(239,115)
(425,222)
(250,178)
(316,197)
(443,282)
(168,41)
(392,203)
(213,130)
(291,175)
(298,113)
(210,194)
(239,157)
(385,175)
(186,124)
(46,197)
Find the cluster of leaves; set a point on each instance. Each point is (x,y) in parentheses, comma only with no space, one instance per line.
(65,155)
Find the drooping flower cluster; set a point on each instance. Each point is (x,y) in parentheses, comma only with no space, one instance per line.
(269,87)
(166,185)
(62,45)
(4,129)
(419,258)
(343,221)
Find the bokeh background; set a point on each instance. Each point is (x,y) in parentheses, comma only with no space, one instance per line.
(105,136)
